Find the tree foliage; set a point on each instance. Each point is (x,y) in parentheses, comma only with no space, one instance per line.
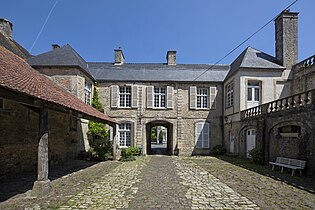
(98,133)
(96,103)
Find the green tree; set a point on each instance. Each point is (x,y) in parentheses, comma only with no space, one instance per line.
(98,133)
(96,103)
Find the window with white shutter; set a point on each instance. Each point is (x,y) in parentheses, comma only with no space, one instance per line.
(150,97)
(134,103)
(202,135)
(169,97)
(213,96)
(193,97)
(114,96)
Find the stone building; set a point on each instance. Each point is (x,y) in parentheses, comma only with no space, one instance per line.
(201,105)
(40,121)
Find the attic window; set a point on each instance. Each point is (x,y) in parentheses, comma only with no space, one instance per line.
(290,131)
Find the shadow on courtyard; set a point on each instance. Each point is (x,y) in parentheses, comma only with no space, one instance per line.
(300,182)
(23,182)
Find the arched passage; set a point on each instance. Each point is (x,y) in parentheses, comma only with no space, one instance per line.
(159,137)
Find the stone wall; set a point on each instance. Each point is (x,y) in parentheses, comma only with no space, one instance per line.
(182,118)
(73,80)
(303,76)
(19,139)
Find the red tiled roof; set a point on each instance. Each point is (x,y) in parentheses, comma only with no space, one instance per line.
(17,75)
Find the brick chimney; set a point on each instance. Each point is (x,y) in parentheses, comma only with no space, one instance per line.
(6,28)
(286,27)
(171,57)
(119,56)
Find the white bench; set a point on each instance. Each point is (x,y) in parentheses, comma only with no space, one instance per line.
(293,164)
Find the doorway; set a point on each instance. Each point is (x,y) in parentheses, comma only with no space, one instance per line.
(159,137)
(250,141)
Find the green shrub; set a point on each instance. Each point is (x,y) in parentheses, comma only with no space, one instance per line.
(256,155)
(218,150)
(128,154)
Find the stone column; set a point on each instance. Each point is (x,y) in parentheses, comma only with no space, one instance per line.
(42,187)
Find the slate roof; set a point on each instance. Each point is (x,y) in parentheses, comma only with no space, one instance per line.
(158,72)
(17,76)
(63,56)
(14,47)
(254,59)
(106,71)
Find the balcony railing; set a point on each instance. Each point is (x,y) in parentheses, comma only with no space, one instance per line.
(305,64)
(294,102)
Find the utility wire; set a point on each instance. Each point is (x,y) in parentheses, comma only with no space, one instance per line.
(41,30)
(238,46)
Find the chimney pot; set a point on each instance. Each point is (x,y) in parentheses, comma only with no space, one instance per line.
(6,28)
(55,46)
(171,57)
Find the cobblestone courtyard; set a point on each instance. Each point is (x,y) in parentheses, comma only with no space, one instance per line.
(165,182)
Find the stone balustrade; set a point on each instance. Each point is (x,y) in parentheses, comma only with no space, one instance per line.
(305,63)
(294,102)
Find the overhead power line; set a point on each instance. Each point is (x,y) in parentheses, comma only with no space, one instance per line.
(43,26)
(243,42)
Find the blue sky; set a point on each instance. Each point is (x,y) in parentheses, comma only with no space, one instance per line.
(202,31)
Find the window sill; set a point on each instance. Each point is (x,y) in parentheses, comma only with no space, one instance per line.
(203,109)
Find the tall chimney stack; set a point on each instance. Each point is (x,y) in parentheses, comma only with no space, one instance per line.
(171,57)
(6,28)
(286,26)
(119,56)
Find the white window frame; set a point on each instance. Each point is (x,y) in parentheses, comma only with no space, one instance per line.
(124,96)
(87,93)
(253,89)
(125,134)
(159,97)
(202,98)
(203,136)
(229,95)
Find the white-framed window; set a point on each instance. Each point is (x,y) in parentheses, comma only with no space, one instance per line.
(125,96)
(230,95)
(159,97)
(202,135)
(253,94)
(124,132)
(202,98)
(87,92)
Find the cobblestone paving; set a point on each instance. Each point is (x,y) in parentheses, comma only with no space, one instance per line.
(206,191)
(264,191)
(160,186)
(112,191)
(159,182)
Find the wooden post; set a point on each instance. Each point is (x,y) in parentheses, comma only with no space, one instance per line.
(42,187)
(42,164)
(114,142)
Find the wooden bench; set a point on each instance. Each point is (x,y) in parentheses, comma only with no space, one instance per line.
(292,164)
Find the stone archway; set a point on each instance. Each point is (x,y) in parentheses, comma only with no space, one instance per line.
(167,150)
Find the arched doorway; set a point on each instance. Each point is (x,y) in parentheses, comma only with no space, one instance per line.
(159,137)
(250,141)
